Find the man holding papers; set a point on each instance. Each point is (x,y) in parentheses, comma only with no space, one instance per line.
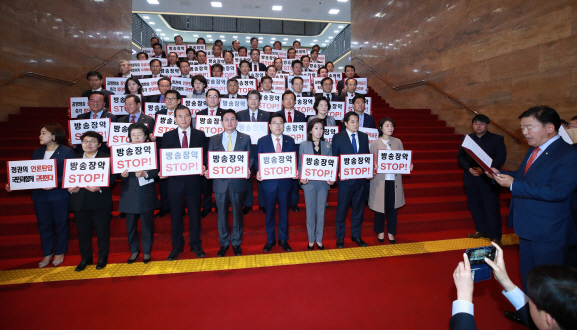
(482,192)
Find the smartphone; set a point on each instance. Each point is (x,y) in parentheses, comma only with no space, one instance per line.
(477,255)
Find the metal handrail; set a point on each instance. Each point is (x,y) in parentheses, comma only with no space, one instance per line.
(39,75)
(438,89)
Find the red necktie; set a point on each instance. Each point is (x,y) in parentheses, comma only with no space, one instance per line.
(278,147)
(290,118)
(94,116)
(184,140)
(212,112)
(132,121)
(531,159)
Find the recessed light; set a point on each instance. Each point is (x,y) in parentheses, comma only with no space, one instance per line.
(366,42)
(209,36)
(327,41)
(158,30)
(334,11)
(145,17)
(341,26)
(216,4)
(312,43)
(284,42)
(298,40)
(209,39)
(235,37)
(330,37)
(342,0)
(222,36)
(151,23)
(223,40)
(195,35)
(167,38)
(336,31)
(315,40)
(162,34)
(272,38)
(153,2)
(324,44)
(285,39)
(355,43)
(276,7)
(340,67)
(260,38)
(176,34)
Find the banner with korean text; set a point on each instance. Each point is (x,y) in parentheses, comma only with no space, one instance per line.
(277,165)
(210,125)
(319,168)
(228,164)
(255,130)
(270,102)
(180,161)
(305,105)
(394,161)
(81,172)
(298,131)
(330,131)
(32,174)
(357,166)
(78,106)
(133,157)
(77,127)
(337,110)
(164,123)
(115,84)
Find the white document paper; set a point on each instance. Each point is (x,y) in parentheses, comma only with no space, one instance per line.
(468,143)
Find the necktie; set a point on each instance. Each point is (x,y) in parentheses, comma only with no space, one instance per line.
(253,118)
(354,143)
(278,147)
(531,159)
(161,99)
(229,147)
(132,121)
(212,112)
(329,97)
(184,140)
(290,118)
(255,68)
(94,116)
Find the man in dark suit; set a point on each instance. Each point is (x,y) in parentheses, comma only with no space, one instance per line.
(350,88)
(255,59)
(184,67)
(350,141)
(232,89)
(253,114)
(297,86)
(276,190)
(155,67)
(124,68)
(244,70)
(183,190)
(547,304)
(327,85)
(157,49)
(164,85)
(290,115)
(482,192)
(541,190)
(95,81)
(97,111)
(231,191)
(349,73)
(365,120)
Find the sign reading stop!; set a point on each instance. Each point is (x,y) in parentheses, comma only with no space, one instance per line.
(180,161)
(228,164)
(319,168)
(277,165)
(357,166)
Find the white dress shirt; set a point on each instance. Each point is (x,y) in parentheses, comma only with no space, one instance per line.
(516,297)
(356,137)
(181,135)
(274,140)
(225,139)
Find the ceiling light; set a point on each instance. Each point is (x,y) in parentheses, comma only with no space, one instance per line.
(272,38)
(235,37)
(151,23)
(260,38)
(298,40)
(324,44)
(284,43)
(176,34)
(330,37)
(355,43)
(153,2)
(166,38)
(195,35)
(209,39)
(341,26)
(312,43)
(223,40)
(216,4)
(334,11)
(222,36)
(162,34)
(315,40)
(145,17)
(366,42)
(158,30)
(342,0)
(209,36)
(285,39)
(336,31)
(276,7)
(327,41)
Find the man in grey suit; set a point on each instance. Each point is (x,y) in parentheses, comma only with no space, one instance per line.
(231,191)
(253,114)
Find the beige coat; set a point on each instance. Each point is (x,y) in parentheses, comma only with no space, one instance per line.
(377,192)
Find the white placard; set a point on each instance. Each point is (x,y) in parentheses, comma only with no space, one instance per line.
(32,174)
(209,53)
(311,74)
(278,85)
(182,85)
(192,62)
(306,83)
(394,161)
(322,58)
(337,76)
(218,84)
(118,134)
(164,123)
(82,172)
(152,108)
(287,65)
(270,102)
(246,85)
(300,53)
(337,110)
(315,66)
(373,133)
(298,131)
(349,103)
(258,75)
(148,51)
(255,130)
(200,69)
(140,68)
(468,143)
(277,165)
(319,168)
(115,84)
(565,135)
(133,157)
(319,87)
(238,59)
(357,166)
(210,125)
(234,104)
(78,106)
(117,104)
(180,161)
(194,105)
(227,164)
(229,71)
(150,86)
(330,131)
(196,47)
(282,76)
(77,127)
(215,60)
(180,50)
(280,53)
(305,105)
(362,85)
(267,59)
(170,71)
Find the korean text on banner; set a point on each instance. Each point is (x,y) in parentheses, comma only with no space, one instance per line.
(210,125)
(115,84)
(117,104)
(150,86)
(194,105)
(181,161)
(305,105)
(32,174)
(78,105)
(234,104)
(394,161)
(152,108)
(81,172)
(298,131)
(228,164)
(182,85)
(256,130)
(277,165)
(118,134)
(362,86)
(77,127)
(319,168)
(164,123)
(218,84)
(270,102)
(373,133)
(133,157)
(349,103)
(246,85)
(330,131)
(337,110)
(359,166)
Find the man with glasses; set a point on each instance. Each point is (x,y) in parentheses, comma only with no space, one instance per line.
(97,111)
(233,191)
(164,85)
(155,68)
(327,86)
(95,81)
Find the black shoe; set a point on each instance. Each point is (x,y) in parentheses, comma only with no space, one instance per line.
(122,215)
(359,241)
(82,265)
(145,260)
(162,213)
(198,252)
(328,205)
(268,247)
(392,241)
(284,245)
(131,260)
(381,240)
(237,250)
(222,251)
(173,255)
(311,247)
(102,262)
(246,209)
(204,213)
(340,243)
(513,316)
(262,209)
(295,208)
(320,247)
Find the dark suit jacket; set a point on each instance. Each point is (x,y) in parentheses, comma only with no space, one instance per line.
(334,97)
(299,117)
(60,154)
(242,143)
(261,115)
(240,77)
(342,146)
(85,200)
(368,122)
(493,145)
(238,96)
(541,199)
(107,93)
(341,85)
(143,119)
(265,145)
(151,98)
(197,139)
(306,94)
(204,112)
(150,76)
(135,198)
(466,321)
(88,115)
(261,67)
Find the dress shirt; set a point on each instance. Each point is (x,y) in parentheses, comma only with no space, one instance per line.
(183,76)
(356,137)
(181,135)
(388,176)
(361,119)
(136,117)
(328,96)
(84,156)
(255,112)
(286,113)
(155,76)
(97,90)
(350,95)
(244,77)
(99,114)
(274,140)
(541,149)
(516,297)
(130,75)
(170,112)
(48,154)
(225,139)
(298,94)
(213,109)
(235,96)
(269,91)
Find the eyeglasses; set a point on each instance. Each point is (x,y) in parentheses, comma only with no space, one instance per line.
(137,134)
(212,96)
(276,123)
(89,141)
(229,119)
(171,98)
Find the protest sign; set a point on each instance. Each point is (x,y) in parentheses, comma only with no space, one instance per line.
(78,106)
(319,168)
(210,125)
(394,161)
(298,131)
(277,165)
(356,166)
(82,172)
(228,164)
(255,130)
(180,161)
(133,157)
(77,127)
(32,174)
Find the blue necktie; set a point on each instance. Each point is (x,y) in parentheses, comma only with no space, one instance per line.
(354,143)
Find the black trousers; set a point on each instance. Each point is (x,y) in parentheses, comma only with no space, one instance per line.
(191,197)
(93,220)
(163,191)
(147,231)
(207,194)
(484,205)
(390,211)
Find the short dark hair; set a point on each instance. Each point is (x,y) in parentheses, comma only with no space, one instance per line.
(154,38)
(94,74)
(199,39)
(327,63)
(310,127)
(305,56)
(543,114)
(574,118)
(181,107)
(164,78)
(241,47)
(265,78)
(254,50)
(297,77)
(280,43)
(271,66)
(481,118)
(200,78)
(215,45)
(217,41)
(347,81)
(200,51)
(225,111)
(157,44)
(214,90)
(266,47)
(359,96)
(348,116)
(253,38)
(228,51)
(143,53)
(314,50)
(190,49)
(57,130)
(155,60)
(172,91)
(133,79)
(181,62)
(172,53)
(233,80)
(296,62)
(288,50)
(325,79)
(319,70)
(318,101)
(93,134)
(140,126)
(241,63)
(553,289)
(255,92)
(97,93)
(275,115)
(349,66)
(177,36)
(216,65)
(382,122)
(278,58)
(316,46)
(288,92)
(132,96)
(294,42)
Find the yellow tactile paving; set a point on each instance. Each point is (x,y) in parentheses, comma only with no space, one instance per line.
(49,274)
